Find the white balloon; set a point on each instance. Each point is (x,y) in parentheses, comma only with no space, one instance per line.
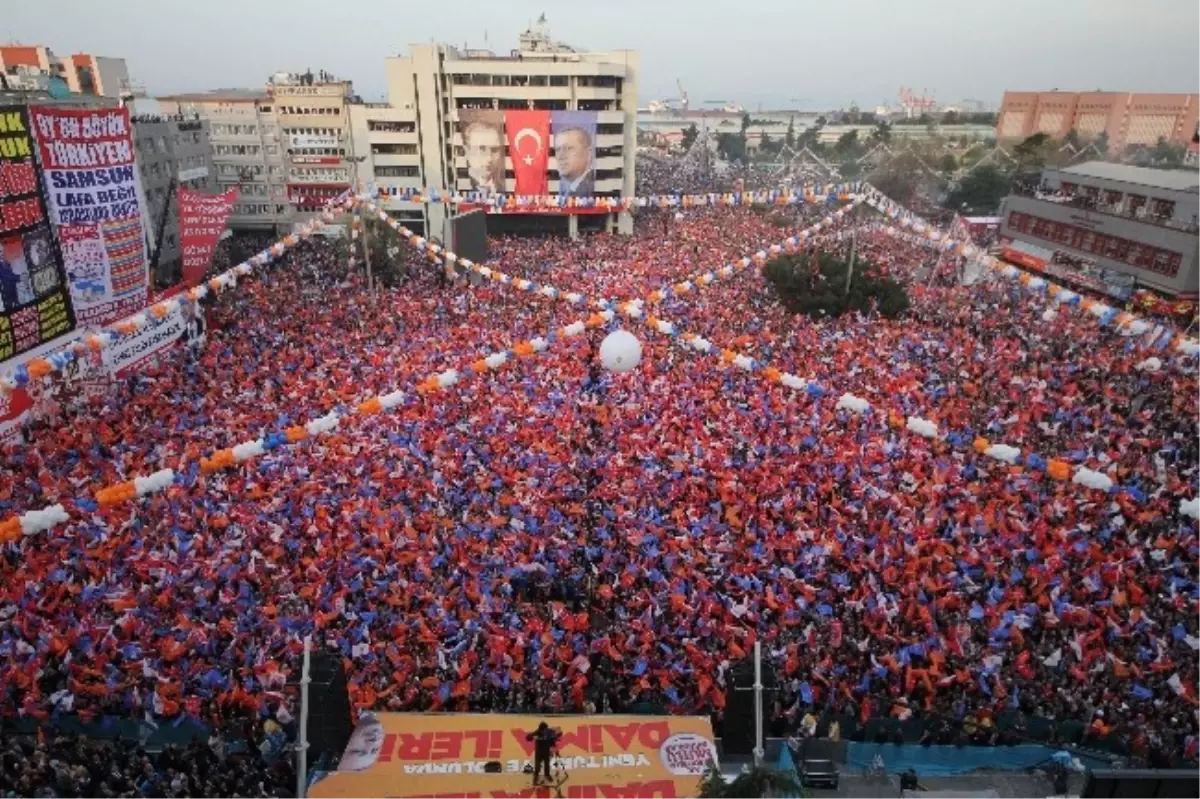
(620,351)
(679,216)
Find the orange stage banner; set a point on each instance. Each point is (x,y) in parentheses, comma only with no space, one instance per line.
(446,754)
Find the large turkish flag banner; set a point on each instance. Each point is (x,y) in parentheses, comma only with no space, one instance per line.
(529,148)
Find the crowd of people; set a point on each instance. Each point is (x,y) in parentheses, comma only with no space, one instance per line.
(552,537)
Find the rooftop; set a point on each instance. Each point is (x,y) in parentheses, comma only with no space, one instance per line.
(217,95)
(1187,180)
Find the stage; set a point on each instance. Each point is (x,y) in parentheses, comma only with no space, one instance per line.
(485,755)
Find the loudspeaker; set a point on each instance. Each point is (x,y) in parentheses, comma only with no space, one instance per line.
(330,722)
(1167,783)
(737,734)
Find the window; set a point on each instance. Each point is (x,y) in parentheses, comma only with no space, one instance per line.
(394,149)
(391,127)
(397,172)
(558,80)
(280,210)
(1016,221)
(272,149)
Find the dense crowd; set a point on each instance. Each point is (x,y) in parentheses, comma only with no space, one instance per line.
(549,537)
(50,765)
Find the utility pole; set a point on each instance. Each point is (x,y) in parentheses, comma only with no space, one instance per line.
(758,688)
(355,160)
(302,746)
(853,249)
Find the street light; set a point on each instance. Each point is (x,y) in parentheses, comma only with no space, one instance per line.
(355,160)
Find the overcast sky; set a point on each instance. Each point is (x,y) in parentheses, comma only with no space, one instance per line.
(824,54)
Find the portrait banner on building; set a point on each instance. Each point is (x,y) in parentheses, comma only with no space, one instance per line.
(574,152)
(35,306)
(483,141)
(529,150)
(202,220)
(92,191)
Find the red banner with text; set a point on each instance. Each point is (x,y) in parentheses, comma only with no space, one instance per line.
(202,220)
(529,150)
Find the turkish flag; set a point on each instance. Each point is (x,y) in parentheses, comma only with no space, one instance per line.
(529,148)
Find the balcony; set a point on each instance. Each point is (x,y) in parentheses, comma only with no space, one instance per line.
(1093,205)
(465,91)
(391,137)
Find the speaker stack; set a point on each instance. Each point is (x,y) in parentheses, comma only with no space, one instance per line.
(330,722)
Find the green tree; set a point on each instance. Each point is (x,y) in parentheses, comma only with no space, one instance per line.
(882,133)
(1102,142)
(847,142)
(1073,138)
(732,146)
(689,136)
(821,293)
(980,191)
(1034,151)
(758,781)
(895,181)
(745,122)
(850,168)
(947,164)
(854,114)
(790,138)
(925,119)
(1166,154)
(951,118)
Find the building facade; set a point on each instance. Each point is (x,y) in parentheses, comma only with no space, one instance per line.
(1126,118)
(36,68)
(416,140)
(247,154)
(283,147)
(172,152)
(1130,220)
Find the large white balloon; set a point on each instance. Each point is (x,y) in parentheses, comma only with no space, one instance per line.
(620,351)
(679,216)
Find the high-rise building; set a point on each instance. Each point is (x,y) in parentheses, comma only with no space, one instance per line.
(1127,119)
(37,68)
(416,140)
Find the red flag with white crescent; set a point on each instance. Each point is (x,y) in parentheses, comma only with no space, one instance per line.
(528,134)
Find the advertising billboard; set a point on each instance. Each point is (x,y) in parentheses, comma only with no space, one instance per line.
(35,306)
(456,754)
(92,191)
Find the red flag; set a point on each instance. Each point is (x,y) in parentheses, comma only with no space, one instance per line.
(202,219)
(529,148)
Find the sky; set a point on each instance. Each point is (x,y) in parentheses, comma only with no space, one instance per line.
(762,53)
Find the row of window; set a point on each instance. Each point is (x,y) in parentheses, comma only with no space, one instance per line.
(332,110)
(256,209)
(248,171)
(397,172)
(153,145)
(234,130)
(243,149)
(1119,202)
(391,127)
(601,174)
(316,152)
(319,175)
(258,190)
(475,104)
(339,133)
(161,169)
(1114,248)
(461,79)
(394,149)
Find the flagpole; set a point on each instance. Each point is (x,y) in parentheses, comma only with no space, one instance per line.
(758,705)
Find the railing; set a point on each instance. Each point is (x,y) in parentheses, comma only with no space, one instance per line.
(1091,205)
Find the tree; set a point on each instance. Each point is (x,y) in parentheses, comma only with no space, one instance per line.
(924,119)
(821,121)
(1102,142)
(1166,154)
(754,782)
(847,142)
(895,182)
(732,146)
(1073,138)
(948,163)
(790,138)
(745,122)
(980,191)
(820,292)
(882,133)
(854,114)
(850,169)
(689,136)
(1034,151)
(951,118)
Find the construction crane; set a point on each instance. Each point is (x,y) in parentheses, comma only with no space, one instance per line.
(683,96)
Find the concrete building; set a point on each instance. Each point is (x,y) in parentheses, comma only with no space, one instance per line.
(314,121)
(284,147)
(1130,220)
(246,153)
(415,141)
(36,67)
(172,152)
(1127,118)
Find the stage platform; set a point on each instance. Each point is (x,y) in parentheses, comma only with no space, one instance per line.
(485,755)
